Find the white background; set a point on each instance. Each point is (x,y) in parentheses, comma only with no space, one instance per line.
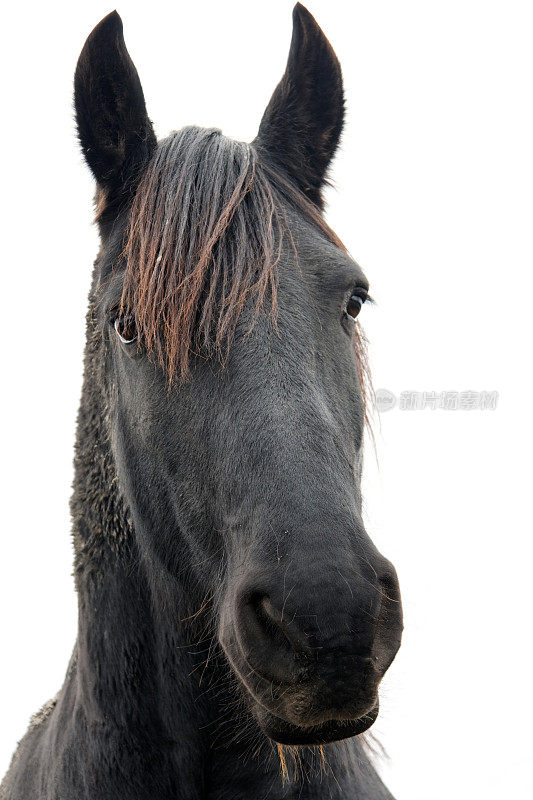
(434,197)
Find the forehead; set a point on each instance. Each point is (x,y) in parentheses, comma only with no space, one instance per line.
(322,262)
(326,269)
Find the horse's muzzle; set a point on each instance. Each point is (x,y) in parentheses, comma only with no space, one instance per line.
(311,654)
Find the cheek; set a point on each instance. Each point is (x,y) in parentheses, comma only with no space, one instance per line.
(140,401)
(339,362)
(162,454)
(171,510)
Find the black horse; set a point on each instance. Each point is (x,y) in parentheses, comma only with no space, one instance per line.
(234,616)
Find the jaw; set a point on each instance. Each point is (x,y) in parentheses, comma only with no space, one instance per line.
(334,730)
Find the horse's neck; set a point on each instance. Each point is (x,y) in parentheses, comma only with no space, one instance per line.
(137,706)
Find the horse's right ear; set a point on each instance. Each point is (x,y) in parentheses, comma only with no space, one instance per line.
(116,136)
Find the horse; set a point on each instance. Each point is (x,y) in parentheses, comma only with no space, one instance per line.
(235,618)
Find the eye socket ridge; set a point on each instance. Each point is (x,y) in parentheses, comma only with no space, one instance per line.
(125,329)
(355,302)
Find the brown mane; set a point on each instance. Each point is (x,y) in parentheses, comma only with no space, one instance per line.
(205,237)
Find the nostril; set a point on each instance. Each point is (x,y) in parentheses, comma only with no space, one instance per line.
(271,644)
(284,630)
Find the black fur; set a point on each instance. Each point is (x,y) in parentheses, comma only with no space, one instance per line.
(115,134)
(302,124)
(229,595)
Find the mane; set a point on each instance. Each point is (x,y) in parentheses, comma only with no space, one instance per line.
(205,237)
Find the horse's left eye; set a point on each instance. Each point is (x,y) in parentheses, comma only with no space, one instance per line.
(125,328)
(354,304)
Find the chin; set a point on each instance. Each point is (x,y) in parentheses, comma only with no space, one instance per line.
(334,730)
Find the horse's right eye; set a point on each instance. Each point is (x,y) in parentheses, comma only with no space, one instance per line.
(125,328)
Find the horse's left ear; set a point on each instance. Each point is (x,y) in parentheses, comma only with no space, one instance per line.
(302,124)
(115,133)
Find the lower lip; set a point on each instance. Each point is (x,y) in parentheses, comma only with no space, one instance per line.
(332,731)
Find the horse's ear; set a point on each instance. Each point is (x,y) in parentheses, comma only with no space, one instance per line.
(302,124)
(115,133)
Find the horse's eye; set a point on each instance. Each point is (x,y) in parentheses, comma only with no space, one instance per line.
(355,303)
(125,328)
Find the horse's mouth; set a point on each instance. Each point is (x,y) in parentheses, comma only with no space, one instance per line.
(334,730)
(313,710)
